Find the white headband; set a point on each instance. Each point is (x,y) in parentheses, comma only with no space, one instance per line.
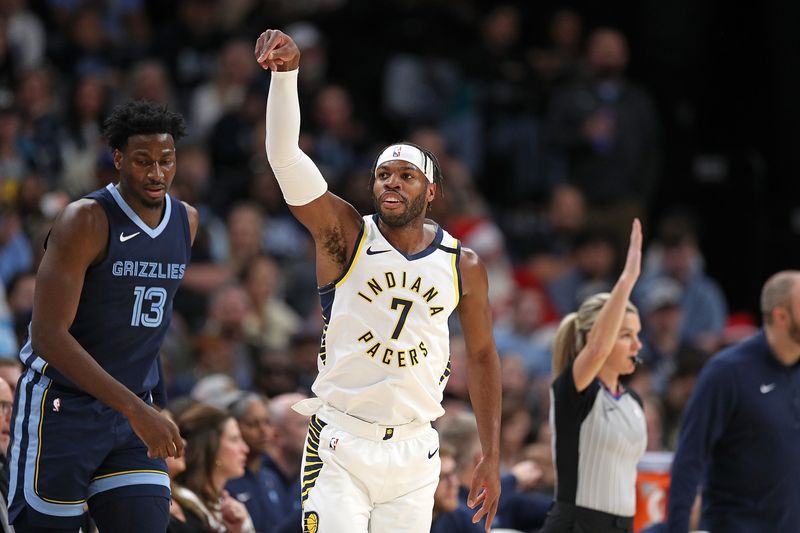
(410,154)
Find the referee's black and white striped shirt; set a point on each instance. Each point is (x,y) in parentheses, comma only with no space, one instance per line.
(598,439)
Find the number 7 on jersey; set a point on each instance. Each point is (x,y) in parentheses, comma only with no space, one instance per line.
(406,305)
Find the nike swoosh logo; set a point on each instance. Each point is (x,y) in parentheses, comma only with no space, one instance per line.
(123,237)
(431,454)
(766,388)
(370,251)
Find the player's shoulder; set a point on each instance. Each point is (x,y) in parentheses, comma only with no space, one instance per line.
(474,278)
(191,212)
(190,209)
(84,213)
(193,216)
(470,261)
(81,227)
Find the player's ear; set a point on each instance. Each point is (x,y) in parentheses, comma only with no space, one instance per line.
(780,315)
(432,188)
(117,159)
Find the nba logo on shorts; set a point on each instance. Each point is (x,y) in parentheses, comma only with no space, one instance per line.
(334,442)
(57,405)
(396,152)
(310,522)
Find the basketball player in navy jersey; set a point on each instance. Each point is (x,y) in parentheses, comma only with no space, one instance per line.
(388,283)
(84,426)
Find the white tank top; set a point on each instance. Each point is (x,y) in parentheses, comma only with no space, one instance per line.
(385,351)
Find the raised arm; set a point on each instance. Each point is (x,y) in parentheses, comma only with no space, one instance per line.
(483,381)
(333,223)
(601,338)
(78,238)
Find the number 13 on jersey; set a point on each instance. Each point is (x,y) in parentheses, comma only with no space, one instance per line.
(148,306)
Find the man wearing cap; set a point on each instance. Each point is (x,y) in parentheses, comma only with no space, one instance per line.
(388,283)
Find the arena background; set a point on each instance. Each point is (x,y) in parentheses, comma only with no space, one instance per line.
(724,78)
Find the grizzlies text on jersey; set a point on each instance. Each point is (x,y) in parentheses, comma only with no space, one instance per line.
(68,447)
(126,304)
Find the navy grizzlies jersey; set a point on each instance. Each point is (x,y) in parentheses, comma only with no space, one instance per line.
(125,307)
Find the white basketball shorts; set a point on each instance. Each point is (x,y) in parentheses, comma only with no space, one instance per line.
(367,478)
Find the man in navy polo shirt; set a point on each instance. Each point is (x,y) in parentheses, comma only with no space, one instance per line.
(740,437)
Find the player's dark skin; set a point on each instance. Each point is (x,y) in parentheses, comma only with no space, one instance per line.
(335,226)
(78,240)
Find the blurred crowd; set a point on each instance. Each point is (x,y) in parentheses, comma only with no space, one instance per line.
(547,147)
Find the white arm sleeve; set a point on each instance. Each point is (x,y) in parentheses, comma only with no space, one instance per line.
(299,178)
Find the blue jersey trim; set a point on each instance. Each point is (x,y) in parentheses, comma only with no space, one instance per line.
(432,247)
(127,479)
(28,357)
(17,431)
(152,232)
(31,460)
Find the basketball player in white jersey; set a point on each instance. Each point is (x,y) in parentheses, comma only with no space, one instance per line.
(388,283)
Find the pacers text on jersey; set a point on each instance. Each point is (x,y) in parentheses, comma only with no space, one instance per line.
(375,287)
(387,356)
(408,354)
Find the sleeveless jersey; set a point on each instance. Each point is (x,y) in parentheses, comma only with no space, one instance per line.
(385,353)
(125,306)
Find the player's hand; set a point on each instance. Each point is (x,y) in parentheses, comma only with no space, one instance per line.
(633,263)
(234,513)
(485,491)
(159,433)
(276,51)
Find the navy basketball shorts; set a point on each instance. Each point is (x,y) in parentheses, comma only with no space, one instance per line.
(364,478)
(67,448)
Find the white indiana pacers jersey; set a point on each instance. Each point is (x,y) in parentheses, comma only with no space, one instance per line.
(385,352)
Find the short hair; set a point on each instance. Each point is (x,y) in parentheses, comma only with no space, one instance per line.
(281,405)
(460,431)
(777,292)
(447,450)
(141,118)
(239,407)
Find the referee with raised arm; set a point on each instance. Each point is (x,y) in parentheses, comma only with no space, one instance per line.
(598,425)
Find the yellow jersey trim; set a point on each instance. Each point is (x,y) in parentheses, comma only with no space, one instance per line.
(359,246)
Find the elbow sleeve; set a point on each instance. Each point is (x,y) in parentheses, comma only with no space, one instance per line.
(299,178)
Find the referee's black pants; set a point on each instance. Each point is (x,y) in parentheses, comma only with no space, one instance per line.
(568,518)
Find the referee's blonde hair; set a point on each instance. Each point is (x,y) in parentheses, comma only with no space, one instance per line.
(571,334)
